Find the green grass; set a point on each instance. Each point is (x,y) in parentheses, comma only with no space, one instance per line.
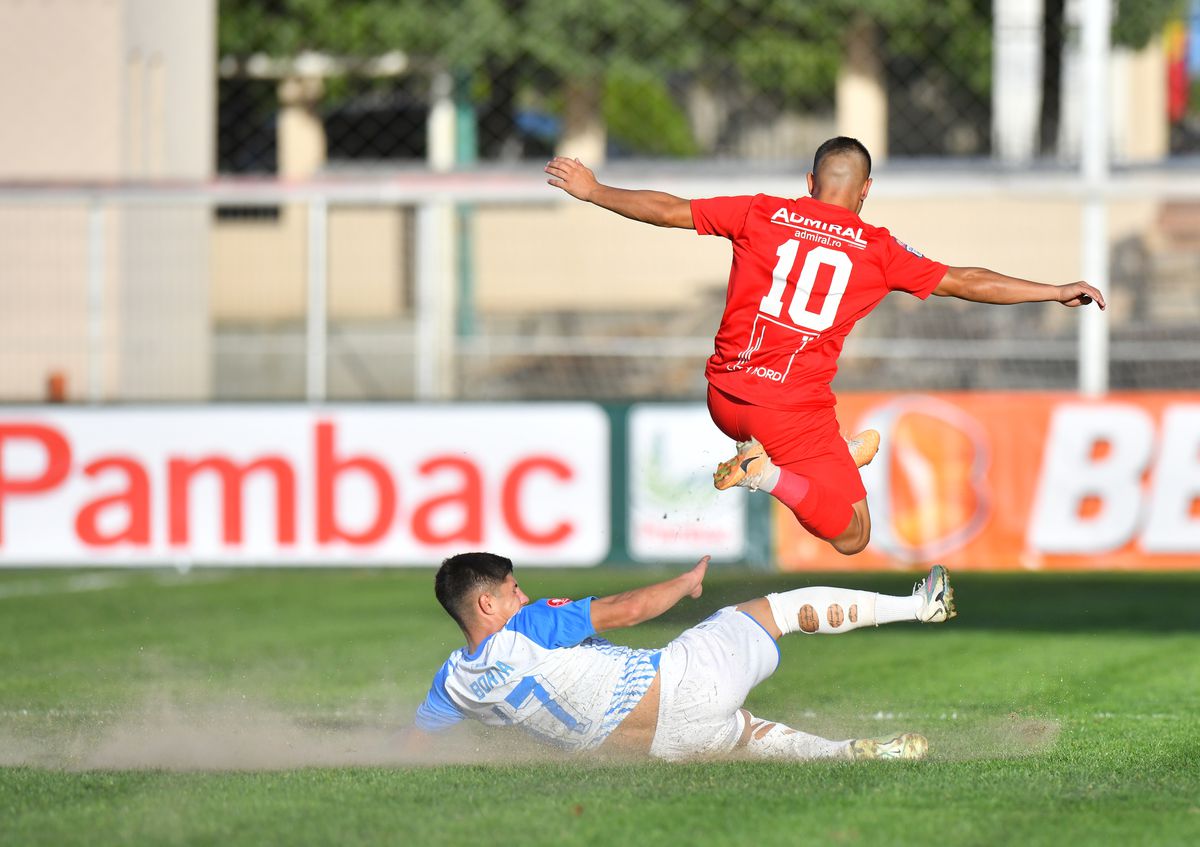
(1060,710)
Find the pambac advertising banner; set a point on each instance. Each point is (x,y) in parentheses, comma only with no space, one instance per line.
(1022,481)
(298,485)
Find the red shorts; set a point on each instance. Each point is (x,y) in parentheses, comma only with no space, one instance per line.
(806,442)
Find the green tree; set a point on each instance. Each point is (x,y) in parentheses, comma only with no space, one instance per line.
(781,48)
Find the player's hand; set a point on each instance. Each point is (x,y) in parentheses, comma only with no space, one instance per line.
(1080,294)
(696,578)
(572,176)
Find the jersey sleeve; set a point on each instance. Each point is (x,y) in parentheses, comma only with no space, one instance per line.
(438,712)
(724,216)
(554,623)
(905,269)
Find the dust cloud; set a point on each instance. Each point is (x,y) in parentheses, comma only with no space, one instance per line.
(168,735)
(238,736)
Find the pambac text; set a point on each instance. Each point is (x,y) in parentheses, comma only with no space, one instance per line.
(301,486)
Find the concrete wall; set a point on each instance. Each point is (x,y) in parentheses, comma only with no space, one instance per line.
(259,266)
(577,256)
(102,91)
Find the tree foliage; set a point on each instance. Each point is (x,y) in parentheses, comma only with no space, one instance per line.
(793,48)
(785,49)
(1137,21)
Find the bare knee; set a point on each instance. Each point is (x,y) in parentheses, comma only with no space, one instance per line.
(857,535)
(850,546)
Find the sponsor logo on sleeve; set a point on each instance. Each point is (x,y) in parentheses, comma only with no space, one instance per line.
(912,250)
(558,601)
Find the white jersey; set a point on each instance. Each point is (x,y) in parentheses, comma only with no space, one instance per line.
(545,672)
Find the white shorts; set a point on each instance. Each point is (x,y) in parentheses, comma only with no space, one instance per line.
(705,675)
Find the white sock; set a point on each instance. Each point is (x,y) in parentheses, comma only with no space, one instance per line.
(829,611)
(892,609)
(771,740)
(767,484)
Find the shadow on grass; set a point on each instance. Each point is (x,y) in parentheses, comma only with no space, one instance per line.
(1036,602)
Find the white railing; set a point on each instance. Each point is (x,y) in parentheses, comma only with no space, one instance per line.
(434,197)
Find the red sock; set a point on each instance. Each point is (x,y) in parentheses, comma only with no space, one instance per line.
(818,509)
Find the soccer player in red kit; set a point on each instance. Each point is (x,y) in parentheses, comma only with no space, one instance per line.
(804,272)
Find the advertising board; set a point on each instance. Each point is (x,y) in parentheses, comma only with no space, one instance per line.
(369,485)
(1022,481)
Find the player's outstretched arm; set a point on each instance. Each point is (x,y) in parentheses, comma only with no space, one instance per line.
(980,285)
(642,604)
(651,207)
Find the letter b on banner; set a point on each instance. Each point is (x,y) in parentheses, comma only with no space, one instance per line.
(1074,473)
(1173,525)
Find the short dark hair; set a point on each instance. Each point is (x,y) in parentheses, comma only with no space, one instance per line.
(841,144)
(461,577)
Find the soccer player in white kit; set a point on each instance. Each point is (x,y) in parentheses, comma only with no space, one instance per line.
(541,667)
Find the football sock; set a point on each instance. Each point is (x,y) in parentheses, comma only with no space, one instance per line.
(830,611)
(892,609)
(818,509)
(771,740)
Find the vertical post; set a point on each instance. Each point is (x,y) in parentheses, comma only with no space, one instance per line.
(1094,165)
(861,92)
(1016,78)
(440,143)
(316,328)
(434,307)
(95,300)
(435,263)
(466,154)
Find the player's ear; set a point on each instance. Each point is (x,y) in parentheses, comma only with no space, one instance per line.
(811,183)
(866,188)
(485,603)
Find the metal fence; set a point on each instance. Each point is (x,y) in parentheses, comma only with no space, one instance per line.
(711,80)
(498,289)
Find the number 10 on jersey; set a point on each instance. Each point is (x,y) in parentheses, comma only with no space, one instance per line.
(798,310)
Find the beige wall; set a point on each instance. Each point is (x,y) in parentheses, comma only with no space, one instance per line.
(61,62)
(1140,124)
(104,91)
(576,256)
(569,256)
(259,267)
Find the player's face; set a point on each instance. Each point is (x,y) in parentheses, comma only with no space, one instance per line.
(510,596)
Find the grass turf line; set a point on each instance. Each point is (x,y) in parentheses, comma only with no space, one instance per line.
(1058,708)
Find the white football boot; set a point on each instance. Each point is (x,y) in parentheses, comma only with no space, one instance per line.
(906,745)
(747,469)
(937,597)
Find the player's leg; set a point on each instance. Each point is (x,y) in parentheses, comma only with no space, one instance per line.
(855,537)
(765,739)
(821,509)
(801,459)
(706,674)
(825,610)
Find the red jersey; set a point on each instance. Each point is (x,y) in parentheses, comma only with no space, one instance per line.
(803,273)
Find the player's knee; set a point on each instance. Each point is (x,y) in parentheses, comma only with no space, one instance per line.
(854,541)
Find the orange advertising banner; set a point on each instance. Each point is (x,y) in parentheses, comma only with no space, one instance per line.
(1008,481)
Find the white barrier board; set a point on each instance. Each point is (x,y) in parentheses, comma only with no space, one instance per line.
(284,485)
(674,511)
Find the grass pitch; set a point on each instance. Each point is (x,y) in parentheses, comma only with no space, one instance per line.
(255,707)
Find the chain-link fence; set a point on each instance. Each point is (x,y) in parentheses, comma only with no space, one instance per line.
(383,280)
(755,80)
